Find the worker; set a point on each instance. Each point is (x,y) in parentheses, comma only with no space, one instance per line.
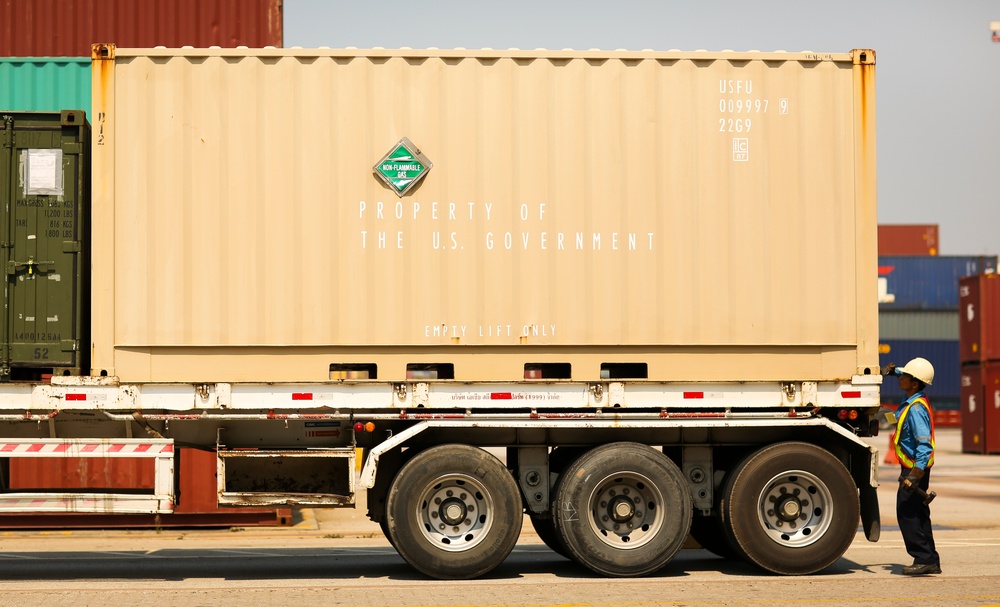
(914,445)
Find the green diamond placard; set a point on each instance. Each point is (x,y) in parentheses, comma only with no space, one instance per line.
(403,166)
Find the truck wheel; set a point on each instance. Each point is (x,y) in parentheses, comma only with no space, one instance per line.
(622,509)
(710,535)
(790,508)
(546,530)
(454,512)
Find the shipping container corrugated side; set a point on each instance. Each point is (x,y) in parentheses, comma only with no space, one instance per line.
(896,324)
(927,283)
(979,317)
(576,208)
(44,84)
(919,240)
(943,354)
(68,28)
(974,404)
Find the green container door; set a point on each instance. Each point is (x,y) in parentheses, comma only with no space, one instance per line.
(44,179)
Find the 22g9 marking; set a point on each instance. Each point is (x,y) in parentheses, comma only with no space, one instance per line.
(734,125)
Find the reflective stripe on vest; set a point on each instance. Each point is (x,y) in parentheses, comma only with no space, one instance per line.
(903,457)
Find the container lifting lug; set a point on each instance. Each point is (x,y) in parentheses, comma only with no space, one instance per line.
(401,391)
(202,391)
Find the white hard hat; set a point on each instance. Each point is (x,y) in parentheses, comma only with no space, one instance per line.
(921,369)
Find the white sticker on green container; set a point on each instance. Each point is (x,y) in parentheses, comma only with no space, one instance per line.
(42,172)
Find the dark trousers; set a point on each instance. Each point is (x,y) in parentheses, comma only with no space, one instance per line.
(914,520)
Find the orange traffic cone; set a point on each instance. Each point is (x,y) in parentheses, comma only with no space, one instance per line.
(890,454)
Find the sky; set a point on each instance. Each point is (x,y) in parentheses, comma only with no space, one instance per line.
(937,72)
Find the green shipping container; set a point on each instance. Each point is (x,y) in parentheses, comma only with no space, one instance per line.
(45,189)
(45,84)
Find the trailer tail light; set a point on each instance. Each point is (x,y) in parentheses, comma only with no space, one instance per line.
(847,414)
(364,427)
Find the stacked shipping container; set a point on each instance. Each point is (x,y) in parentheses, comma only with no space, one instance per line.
(45,66)
(45,44)
(908,240)
(919,316)
(979,352)
(67,28)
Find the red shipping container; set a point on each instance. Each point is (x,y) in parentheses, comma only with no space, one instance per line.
(67,28)
(973,411)
(991,405)
(907,240)
(979,318)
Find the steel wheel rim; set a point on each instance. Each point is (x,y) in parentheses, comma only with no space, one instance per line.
(625,510)
(795,508)
(455,512)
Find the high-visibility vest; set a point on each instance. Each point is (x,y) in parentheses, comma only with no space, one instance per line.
(903,457)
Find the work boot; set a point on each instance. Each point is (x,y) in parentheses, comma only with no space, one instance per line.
(925,569)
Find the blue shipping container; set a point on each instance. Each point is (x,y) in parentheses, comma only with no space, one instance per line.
(943,354)
(926,283)
(46,84)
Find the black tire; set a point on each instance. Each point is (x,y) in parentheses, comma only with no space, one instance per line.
(384,525)
(545,528)
(454,512)
(790,508)
(710,535)
(622,509)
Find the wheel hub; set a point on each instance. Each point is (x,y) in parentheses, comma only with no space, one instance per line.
(793,508)
(790,509)
(455,512)
(621,509)
(624,510)
(452,511)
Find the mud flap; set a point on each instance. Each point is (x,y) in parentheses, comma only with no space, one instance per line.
(870,519)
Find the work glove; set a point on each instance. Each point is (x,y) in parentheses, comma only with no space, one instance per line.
(912,480)
(889,370)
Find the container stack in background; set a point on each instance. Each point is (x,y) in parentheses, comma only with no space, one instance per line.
(979,351)
(45,66)
(45,44)
(919,311)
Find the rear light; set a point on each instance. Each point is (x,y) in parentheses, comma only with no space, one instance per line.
(847,414)
(364,427)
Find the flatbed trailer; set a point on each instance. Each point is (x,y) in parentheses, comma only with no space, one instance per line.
(648,278)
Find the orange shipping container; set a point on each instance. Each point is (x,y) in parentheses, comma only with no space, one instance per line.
(708,215)
(896,240)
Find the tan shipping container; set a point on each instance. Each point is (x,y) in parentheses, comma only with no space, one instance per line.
(710,215)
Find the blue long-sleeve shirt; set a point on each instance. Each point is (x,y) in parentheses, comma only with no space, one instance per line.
(915,434)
